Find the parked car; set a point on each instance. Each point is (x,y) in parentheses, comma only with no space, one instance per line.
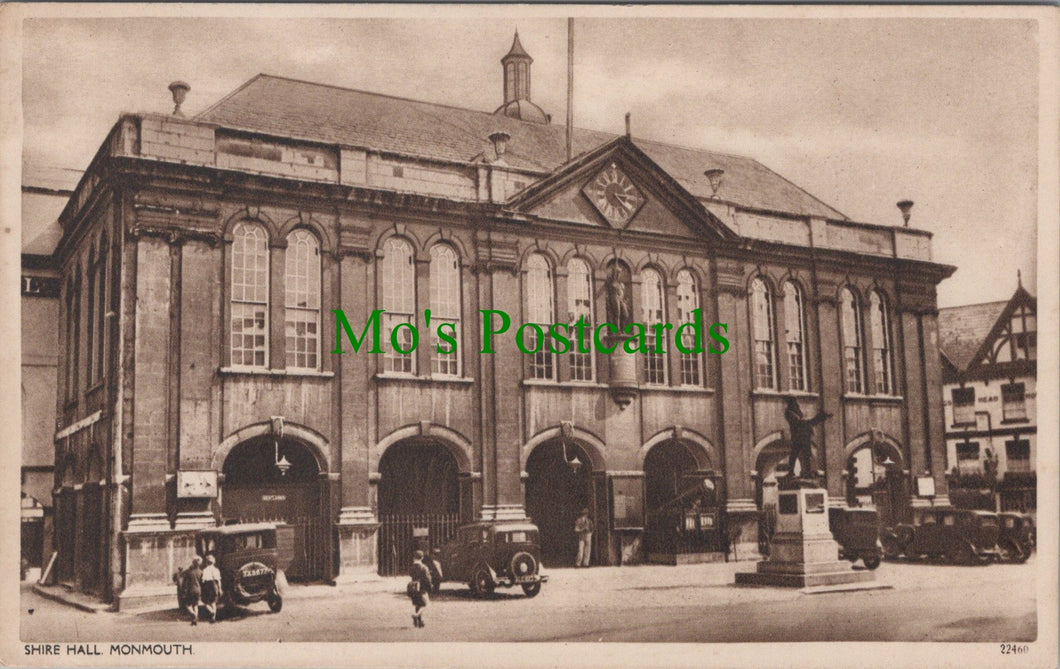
(490,554)
(858,533)
(1014,536)
(961,536)
(251,558)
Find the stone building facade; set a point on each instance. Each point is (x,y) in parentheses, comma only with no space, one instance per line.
(203,258)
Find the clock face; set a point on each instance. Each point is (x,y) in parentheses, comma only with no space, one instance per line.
(614,195)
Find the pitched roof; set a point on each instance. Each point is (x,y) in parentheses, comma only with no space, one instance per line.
(293,108)
(963,329)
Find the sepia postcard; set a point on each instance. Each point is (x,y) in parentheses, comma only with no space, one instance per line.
(539,335)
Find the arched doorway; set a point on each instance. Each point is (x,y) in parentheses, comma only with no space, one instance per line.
(419,501)
(259,487)
(681,500)
(558,487)
(875,477)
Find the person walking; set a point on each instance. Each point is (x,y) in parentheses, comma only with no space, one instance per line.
(419,587)
(189,588)
(583,527)
(211,587)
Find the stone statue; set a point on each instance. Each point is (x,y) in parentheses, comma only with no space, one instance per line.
(617,303)
(802,439)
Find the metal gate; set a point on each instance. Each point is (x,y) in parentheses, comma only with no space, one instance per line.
(310,545)
(402,533)
(299,505)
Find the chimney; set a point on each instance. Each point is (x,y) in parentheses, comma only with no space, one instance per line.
(500,143)
(906,206)
(179,89)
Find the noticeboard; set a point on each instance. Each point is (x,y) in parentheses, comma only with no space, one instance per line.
(925,486)
(627,502)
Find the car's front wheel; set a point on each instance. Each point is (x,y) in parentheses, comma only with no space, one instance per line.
(532,589)
(482,582)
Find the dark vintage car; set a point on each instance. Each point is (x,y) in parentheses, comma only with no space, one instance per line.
(491,554)
(858,533)
(251,558)
(961,536)
(1014,539)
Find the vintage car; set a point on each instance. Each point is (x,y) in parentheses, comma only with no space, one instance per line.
(251,558)
(858,533)
(490,554)
(961,536)
(1014,536)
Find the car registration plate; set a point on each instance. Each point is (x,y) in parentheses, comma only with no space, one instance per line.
(525,579)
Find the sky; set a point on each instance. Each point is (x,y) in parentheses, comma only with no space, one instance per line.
(859,112)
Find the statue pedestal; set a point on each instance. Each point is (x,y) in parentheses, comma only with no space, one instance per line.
(802,552)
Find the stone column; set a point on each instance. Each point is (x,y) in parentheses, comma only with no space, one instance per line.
(356,523)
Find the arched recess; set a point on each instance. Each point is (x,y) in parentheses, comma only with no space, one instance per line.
(456,443)
(681,496)
(588,442)
(698,446)
(278,475)
(423,491)
(315,441)
(876,474)
(564,468)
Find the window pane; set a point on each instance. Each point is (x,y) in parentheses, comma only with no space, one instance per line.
(540,310)
(881,344)
(793,337)
(302,299)
(250,295)
(762,326)
(963,406)
(580,305)
(687,303)
(399,302)
(653,310)
(445,308)
(1013,401)
(851,331)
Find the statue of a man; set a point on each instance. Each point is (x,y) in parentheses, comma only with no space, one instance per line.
(802,439)
(617,305)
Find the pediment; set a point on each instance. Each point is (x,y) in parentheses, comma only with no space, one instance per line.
(617,186)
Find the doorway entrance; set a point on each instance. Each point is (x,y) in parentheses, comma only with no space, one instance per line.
(682,504)
(256,489)
(556,492)
(875,478)
(419,501)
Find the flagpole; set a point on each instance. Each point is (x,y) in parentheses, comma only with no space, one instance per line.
(570,87)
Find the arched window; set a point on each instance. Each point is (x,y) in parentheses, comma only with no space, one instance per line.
(653,310)
(101,308)
(90,317)
(71,339)
(763,327)
(250,296)
(687,303)
(795,336)
(399,304)
(302,300)
(580,306)
(445,309)
(882,367)
(850,318)
(540,310)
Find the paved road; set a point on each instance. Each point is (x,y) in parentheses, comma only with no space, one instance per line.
(694,603)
